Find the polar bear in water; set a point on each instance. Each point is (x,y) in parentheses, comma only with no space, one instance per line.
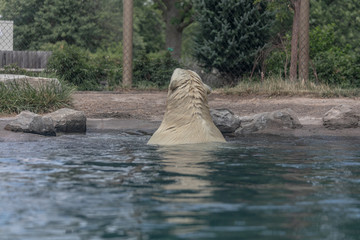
(187,118)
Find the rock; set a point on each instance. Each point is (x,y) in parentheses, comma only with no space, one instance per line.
(342,116)
(64,120)
(22,80)
(269,122)
(29,122)
(225,120)
(67,120)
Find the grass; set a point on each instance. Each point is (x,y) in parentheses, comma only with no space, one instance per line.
(278,87)
(16,97)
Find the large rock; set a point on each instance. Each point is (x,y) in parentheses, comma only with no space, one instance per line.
(22,80)
(67,120)
(269,122)
(29,122)
(342,116)
(225,120)
(64,120)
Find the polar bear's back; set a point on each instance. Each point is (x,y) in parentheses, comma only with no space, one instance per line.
(187,118)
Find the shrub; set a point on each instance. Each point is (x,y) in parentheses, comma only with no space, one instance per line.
(154,69)
(88,71)
(72,64)
(334,65)
(107,65)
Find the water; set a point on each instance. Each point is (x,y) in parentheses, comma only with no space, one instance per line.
(114,186)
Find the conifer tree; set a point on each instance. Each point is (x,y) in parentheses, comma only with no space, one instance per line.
(231,34)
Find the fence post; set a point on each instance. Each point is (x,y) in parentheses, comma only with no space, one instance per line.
(127,42)
(304,41)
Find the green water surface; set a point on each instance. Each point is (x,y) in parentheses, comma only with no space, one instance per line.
(114,186)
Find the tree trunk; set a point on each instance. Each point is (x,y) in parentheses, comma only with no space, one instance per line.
(294,40)
(173,31)
(304,40)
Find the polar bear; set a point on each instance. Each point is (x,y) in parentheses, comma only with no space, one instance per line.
(187,118)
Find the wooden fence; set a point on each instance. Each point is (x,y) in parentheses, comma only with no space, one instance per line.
(25,59)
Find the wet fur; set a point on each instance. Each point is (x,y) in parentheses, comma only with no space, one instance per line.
(187,118)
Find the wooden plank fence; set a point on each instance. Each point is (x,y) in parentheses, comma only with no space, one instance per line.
(25,59)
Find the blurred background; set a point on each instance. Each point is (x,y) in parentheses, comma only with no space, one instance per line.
(111,44)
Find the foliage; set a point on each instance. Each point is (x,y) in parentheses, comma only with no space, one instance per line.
(13,69)
(177,16)
(107,66)
(333,64)
(154,70)
(78,26)
(87,24)
(148,28)
(231,34)
(338,66)
(17,97)
(72,64)
(345,17)
(22,12)
(88,71)
(275,63)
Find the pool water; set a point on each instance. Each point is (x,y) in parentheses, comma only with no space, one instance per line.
(114,186)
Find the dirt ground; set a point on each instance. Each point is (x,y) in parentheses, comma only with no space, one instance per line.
(151,105)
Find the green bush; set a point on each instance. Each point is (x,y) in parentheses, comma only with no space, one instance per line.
(107,65)
(334,65)
(338,67)
(275,63)
(91,71)
(154,69)
(72,64)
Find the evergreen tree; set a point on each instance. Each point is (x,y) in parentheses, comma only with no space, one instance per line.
(66,20)
(231,34)
(22,12)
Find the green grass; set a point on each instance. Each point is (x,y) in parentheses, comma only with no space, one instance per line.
(279,87)
(17,97)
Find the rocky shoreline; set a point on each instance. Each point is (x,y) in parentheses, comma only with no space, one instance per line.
(139,112)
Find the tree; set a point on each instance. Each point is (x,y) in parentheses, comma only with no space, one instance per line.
(2,5)
(177,15)
(22,12)
(231,34)
(344,15)
(67,20)
(148,27)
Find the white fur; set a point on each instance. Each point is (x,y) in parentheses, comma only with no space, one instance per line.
(187,118)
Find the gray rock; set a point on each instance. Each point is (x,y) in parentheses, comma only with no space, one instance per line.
(22,80)
(67,120)
(29,122)
(64,120)
(342,116)
(269,122)
(225,120)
